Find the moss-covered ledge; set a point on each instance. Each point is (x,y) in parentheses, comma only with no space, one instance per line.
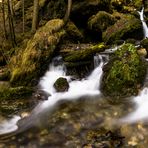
(12,93)
(84,54)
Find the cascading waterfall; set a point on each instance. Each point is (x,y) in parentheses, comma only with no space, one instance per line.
(77,88)
(88,86)
(9,125)
(141,111)
(145,28)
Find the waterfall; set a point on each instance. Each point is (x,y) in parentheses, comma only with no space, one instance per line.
(88,86)
(141,106)
(9,125)
(145,28)
(77,88)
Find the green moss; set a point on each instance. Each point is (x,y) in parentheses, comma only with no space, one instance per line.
(127,27)
(12,93)
(101,21)
(61,85)
(85,54)
(32,62)
(125,73)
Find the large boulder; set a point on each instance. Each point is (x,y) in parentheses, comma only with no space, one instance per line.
(128,26)
(124,74)
(61,85)
(99,22)
(32,62)
(84,9)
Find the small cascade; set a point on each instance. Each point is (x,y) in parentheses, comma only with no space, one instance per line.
(8,126)
(145,28)
(141,109)
(88,86)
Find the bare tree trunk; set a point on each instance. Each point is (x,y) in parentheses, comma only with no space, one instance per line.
(11,24)
(35,15)
(67,14)
(23,15)
(4,21)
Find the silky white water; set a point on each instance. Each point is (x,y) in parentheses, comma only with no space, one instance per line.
(77,88)
(88,86)
(8,126)
(145,28)
(141,111)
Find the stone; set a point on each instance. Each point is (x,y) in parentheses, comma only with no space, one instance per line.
(61,85)
(124,74)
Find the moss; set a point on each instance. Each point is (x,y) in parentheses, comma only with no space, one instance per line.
(85,54)
(12,93)
(125,73)
(32,62)
(101,21)
(73,33)
(144,43)
(127,27)
(61,84)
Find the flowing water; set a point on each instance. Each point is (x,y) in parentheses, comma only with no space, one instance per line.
(66,119)
(145,28)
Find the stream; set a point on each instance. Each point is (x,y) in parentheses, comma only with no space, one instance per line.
(70,119)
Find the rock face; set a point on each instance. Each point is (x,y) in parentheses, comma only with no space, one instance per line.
(61,84)
(124,74)
(32,62)
(128,26)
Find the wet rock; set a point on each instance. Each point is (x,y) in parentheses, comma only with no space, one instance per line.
(128,26)
(41,95)
(124,74)
(144,43)
(61,85)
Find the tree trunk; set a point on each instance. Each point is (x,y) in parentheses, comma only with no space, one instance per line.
(4,22)
(68,11)
(23,15)
(11,25)
(35,15)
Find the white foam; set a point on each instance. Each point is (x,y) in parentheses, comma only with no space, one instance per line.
(77,88)
(145,28)
(10,125)
(141,111)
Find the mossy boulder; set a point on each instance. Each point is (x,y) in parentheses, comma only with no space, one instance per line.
(32,62)
(98,23)
(101,21)
(61,85)
(128,26)
(73,34)
(124,74)
(84,9)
